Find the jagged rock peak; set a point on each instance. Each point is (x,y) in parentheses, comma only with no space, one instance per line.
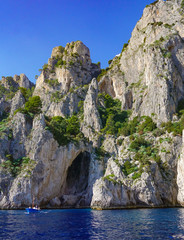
(23,81)
(57,51)
(94,86)
(67,70)
(74,47)
(74,53)
(16,81)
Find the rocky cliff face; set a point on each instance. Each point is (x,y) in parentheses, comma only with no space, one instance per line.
(148,74)
(63,81)
(73,141)
(11,97)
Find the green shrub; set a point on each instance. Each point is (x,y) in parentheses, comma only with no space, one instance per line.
(141,125)
(110,178)
(157,24)
(9,79)
(128,168)
(71,63)
(3,91)
(145,152)
(71,90)
(57,125)
(169,140)
(103,72)
(129,127)
(158,42)
(64,130)
(166,54)
(56,96)
(98,64)
(21,110)
(45,66)
(138,143)
(182,4)
(15,166)
(176,127)
(148,125)
(4,124)
(167,126)
(26,92)
(52,82)
(73,126)
(81,107)
(61,49)
(158,132)
(23,91)
(168,25)
(75,55)
(124,47)
(33,105)
(101,153)
(111,115)
(110,125)
(8,93)
(119,142)
(60,62)
(137,175)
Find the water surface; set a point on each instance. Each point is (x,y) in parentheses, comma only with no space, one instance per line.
(167,223)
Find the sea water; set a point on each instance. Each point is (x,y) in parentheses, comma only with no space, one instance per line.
(166,223)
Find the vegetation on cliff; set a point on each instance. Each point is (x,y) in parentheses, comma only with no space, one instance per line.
(32,106)
(112,117)
(64,130)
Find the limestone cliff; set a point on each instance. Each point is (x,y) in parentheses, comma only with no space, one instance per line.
(148,74)
(63,81)
(100,138)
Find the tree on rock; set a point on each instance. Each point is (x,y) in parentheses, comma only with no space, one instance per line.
(33,105)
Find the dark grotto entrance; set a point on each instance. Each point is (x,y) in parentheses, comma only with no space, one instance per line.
(75,191)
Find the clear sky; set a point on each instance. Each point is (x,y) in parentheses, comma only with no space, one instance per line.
(29,29)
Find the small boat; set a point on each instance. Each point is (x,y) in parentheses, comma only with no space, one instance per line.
(32,210)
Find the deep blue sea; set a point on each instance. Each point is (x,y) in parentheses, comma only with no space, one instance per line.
(167,223)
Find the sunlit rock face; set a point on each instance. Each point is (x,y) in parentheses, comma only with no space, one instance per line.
(91,123)
(148,74)
(11,97)
(63,81)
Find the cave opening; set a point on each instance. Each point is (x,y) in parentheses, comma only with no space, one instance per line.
(75,191)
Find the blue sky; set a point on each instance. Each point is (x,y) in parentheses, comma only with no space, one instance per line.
(29,29)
